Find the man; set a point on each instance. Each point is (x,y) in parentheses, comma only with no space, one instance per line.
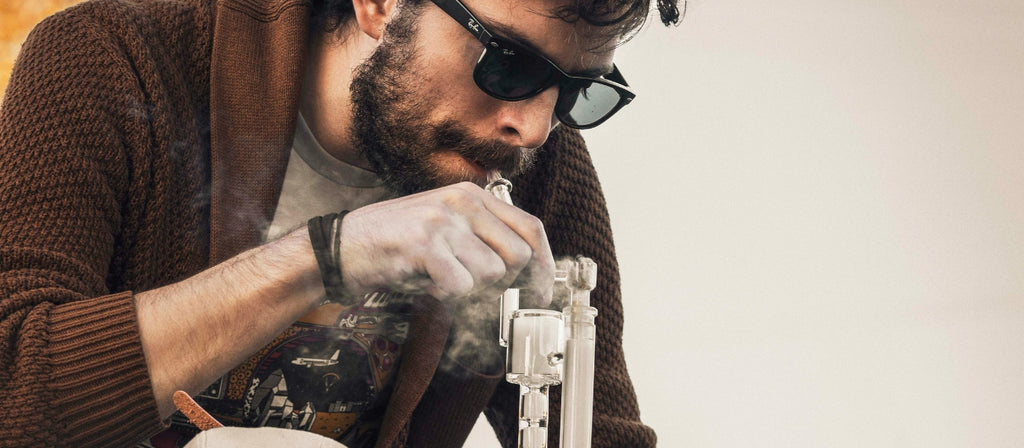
(160,161)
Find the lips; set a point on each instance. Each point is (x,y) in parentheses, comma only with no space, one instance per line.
(503,158)
(478,168)
(483,165)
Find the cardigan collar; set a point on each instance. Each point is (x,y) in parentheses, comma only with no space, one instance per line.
(256,73)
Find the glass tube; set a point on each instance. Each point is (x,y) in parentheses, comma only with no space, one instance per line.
(501,188)
(578,387)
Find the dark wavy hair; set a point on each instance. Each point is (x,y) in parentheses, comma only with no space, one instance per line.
(621,17)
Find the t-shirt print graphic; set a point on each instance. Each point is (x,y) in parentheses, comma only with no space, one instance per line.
(329,373)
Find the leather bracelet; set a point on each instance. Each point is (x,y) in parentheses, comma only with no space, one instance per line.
(325,237)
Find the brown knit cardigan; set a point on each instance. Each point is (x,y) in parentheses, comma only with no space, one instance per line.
(144,141)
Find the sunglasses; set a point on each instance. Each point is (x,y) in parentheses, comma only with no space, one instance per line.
(512,72)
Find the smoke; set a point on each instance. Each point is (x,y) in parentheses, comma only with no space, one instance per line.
(473,339)
(476,322)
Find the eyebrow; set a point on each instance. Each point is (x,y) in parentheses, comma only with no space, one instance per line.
(507,33)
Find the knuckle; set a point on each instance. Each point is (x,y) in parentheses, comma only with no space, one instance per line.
(457,286)
(458,190)
(418,236)
(432,217)
(492,272)
(461,195)
(450,279)
(522,253)
(468,186)
(545,266)
(434,212)
(535,228)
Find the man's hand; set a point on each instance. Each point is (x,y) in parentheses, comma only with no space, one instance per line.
(451,242)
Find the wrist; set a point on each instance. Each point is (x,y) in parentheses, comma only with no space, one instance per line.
(304,280)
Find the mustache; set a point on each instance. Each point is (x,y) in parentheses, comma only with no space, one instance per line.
(489,154)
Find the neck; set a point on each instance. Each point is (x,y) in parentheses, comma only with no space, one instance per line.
(326,103)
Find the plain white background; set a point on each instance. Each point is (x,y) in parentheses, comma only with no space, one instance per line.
(818,207)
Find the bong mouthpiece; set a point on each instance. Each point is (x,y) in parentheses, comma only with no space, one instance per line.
(500,187)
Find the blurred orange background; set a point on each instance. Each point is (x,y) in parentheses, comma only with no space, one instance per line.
(17,17)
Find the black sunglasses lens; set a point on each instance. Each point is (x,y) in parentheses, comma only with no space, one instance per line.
(585,103)
(511,73)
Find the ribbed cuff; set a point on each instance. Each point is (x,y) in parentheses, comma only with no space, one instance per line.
(98,373)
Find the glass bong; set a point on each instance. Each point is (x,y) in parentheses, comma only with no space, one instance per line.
(546,348)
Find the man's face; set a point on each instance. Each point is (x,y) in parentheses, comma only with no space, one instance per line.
(421,121)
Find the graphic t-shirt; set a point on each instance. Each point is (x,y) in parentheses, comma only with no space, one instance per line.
(330,372)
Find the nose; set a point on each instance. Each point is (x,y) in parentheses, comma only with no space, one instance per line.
(528,122)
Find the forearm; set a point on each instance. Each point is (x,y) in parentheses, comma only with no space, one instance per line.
(195,330)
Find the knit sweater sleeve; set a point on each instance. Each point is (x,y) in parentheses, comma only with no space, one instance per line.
(564,192)
(71,364)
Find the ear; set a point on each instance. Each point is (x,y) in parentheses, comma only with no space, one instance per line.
(372,15)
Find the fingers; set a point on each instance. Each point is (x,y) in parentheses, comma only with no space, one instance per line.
(504,246)
(449,277)
(482,262)
(527,253)
(451,242)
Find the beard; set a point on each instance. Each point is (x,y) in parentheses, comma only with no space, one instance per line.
(391,129)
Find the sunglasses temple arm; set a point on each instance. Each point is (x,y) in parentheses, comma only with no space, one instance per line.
(458,11)
(616,76)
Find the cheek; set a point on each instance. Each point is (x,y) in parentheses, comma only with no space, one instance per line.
(450,91)
(447,55)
